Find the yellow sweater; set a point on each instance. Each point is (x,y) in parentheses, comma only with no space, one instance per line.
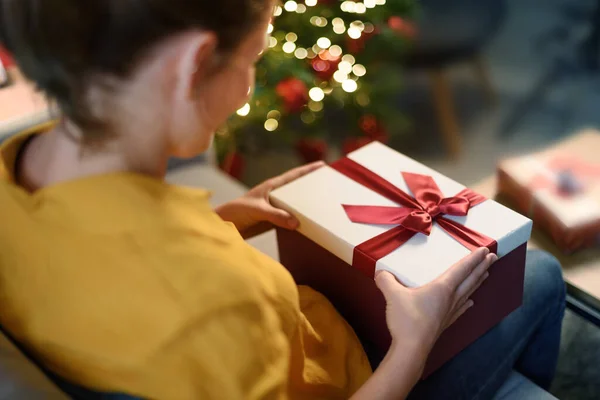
(124,283)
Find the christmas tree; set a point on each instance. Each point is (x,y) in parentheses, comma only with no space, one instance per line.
(329,76)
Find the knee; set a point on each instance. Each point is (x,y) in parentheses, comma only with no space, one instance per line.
(543,278)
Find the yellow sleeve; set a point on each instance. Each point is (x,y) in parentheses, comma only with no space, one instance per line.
(236,353)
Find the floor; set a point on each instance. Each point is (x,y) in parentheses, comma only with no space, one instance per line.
(519,57)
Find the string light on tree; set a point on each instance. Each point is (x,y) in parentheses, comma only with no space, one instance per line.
(290,6)
(349,86)
(270,28)
(289,47)
(380,2)
(345,67)
(245,110)
(291,37)
(301,9)
(301,53)
(271,124)
(349,58)
(354,32)
(272,42)
(318,21)
(324,43)
(316,94)
(335,50)
(311,3)
(340,77)
(370,3)
(278,11)
(315,106)
(360,8)
(275,114)
(359,70)
(348,6)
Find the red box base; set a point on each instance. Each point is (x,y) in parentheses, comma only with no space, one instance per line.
(359,301)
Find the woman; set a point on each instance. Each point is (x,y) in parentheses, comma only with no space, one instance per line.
(119,282)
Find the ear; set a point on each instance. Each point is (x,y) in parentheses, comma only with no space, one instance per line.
(196,61)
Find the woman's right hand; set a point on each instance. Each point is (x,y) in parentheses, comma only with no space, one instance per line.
(418,316)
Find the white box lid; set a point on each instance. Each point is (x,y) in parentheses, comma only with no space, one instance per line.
(316,200)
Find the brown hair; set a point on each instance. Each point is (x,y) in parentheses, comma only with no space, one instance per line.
(62,45)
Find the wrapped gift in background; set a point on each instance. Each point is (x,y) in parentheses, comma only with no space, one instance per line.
(380,210)
(559,189)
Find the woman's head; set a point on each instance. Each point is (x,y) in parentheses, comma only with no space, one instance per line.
(116,65)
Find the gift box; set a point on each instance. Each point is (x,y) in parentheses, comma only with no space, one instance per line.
(559,188)
(377,209)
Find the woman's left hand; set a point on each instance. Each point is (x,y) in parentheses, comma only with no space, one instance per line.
(253,213)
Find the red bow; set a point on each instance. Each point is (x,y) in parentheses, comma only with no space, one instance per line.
(416,216)
(581,170)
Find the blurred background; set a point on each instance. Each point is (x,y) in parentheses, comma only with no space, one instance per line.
(458,85)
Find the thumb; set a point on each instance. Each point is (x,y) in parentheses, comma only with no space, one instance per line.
(280,217)
(387,283)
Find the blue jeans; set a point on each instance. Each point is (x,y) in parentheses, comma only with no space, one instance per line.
(526,341)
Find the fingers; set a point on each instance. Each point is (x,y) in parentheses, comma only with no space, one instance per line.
(294,174)
(474,280)
(462,309)
(462,269)
(387,283)
(279,217)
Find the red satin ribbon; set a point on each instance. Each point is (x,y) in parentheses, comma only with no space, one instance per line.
(416,215)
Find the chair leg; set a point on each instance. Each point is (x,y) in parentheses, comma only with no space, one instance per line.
(446,114)
(481,71)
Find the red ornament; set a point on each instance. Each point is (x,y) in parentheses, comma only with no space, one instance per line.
(355,46)
(234,164)
(6,58)
(311,149)
(355,143)
(325,65)
(402,26)
(373,128)
(294,94)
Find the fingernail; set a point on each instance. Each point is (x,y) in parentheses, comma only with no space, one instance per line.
(486,275)
(470,303)
(486,251)
(493,258)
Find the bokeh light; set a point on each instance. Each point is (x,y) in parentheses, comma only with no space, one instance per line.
(290,6)
(289,47)
(340,77)
(291,37)
(359,70)
(245,110)
(349,86)
(345,67)
(335,51)
(354,32)
(311,3)
(349,58)
(271,124)
(316,94)
(315,106)
(301,53)
(324,43)
(274,114)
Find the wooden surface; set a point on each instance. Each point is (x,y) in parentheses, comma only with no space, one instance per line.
(447,119)
(581,269)
(21,106)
